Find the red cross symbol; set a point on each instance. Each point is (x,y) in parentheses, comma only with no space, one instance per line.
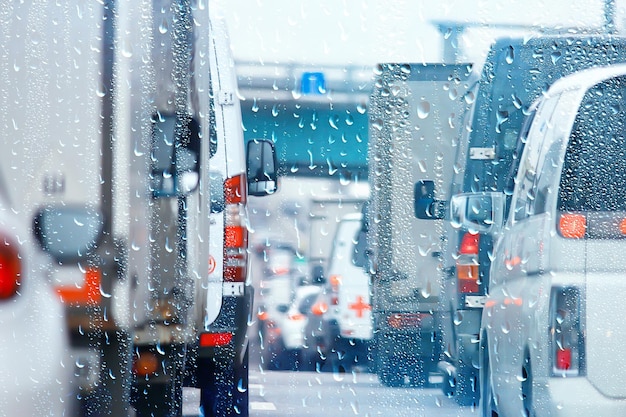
(359,306)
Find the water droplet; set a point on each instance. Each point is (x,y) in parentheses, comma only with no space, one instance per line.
(338,375)
(361,108)
(501,117)
(423,109)
(127,49)
(510,55)
(555,56)
(506,327)
(163,27)
(241,386)
(333,121)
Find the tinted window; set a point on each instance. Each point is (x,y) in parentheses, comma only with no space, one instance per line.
(594,173)
(516,73)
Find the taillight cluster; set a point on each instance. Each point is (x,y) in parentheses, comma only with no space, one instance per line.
(235,229)
(410,320)
(592,225)
(335,283)
(572,225)
(10,268)
(467,264)
(567,342)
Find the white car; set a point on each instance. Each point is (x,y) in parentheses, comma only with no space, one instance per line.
(340,328)
(286,345)
(553,330)
(36,376)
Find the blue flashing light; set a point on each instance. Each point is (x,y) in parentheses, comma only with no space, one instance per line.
(313,83)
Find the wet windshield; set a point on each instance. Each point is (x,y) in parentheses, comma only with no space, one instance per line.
(281,208)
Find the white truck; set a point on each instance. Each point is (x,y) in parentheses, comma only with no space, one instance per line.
(325,214)
(415,124)
(122,130)
(339,331)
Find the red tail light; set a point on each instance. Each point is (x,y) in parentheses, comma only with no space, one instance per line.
(235,230)
(86,294)
(467,264)
(10,269)
(215,339)
(563,359)
(567,345)
(335,283)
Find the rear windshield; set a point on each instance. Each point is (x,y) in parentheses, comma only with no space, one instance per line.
(594,172)
(514,76)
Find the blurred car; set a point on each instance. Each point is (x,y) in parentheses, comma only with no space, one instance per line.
(339,329)
(285,334)
(553,324)
(36,376)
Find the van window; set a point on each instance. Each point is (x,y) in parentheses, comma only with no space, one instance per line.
(212,121)
(525,196)
(359,257)
(594,171)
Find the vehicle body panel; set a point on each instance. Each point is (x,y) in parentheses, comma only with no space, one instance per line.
(37,375)
(534,259)
(515,74)
(415,125)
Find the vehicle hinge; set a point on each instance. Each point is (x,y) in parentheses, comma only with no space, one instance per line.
(225,98)
(483,153)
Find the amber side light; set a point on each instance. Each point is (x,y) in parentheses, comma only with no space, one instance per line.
(145,364)
(572,226)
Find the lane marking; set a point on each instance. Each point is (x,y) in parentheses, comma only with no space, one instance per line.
(262,406)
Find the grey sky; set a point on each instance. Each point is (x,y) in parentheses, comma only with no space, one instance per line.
(369,31)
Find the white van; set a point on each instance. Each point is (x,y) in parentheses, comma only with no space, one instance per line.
(553,324)
(123,147)
(340,327)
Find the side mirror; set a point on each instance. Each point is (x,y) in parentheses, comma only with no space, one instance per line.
(261,168)
(175,156)
(425,205)
(317,275)
(68,233)
(480,212)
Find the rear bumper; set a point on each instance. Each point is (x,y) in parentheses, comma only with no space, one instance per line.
(406,343)
(577,397)
(233,318)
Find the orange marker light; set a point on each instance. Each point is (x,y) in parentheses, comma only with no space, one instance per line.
(319,308)
(145,364)
(572,226)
